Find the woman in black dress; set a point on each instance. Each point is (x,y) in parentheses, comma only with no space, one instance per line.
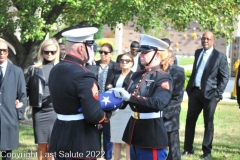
(43,114)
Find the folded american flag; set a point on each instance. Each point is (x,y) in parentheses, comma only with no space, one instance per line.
(108,101)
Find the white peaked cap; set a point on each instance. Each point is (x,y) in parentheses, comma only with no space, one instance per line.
(80,34)
(153,42)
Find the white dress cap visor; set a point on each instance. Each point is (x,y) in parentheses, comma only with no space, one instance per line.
(80,34)
(148,42)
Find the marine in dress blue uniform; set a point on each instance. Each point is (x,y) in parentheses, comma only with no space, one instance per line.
(72,86)
(147,94)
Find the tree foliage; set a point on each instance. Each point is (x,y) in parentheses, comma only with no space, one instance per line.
(34,19)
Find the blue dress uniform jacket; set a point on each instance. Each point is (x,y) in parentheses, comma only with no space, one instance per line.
(151,91)
(72,86)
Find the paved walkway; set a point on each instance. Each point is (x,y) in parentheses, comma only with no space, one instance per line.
(227,92)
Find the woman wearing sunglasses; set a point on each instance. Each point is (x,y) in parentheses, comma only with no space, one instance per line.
(106,70)
(43,114)
(119,121)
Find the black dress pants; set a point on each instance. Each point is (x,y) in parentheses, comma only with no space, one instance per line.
(174,146)
(197,103)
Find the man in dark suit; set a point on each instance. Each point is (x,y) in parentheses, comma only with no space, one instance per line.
(205,88)
(13,100)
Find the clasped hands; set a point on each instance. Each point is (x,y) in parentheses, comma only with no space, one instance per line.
(18,104)
(121,93)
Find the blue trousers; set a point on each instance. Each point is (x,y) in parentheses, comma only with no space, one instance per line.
(107,144)
(137,153)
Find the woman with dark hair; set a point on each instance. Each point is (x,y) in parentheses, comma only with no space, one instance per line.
(43,114)
(119,121)
(106,70)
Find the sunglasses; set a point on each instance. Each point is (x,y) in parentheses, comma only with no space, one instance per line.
(3,50)
(125,60)
(47,52)
(105,52)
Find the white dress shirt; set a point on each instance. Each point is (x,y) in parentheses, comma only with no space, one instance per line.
(136,58)
(206,54)
(4,67)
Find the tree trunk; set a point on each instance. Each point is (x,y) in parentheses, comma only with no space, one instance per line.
(26,53)
(31,56)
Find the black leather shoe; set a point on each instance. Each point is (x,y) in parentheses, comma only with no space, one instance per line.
(205,156)
(187,152)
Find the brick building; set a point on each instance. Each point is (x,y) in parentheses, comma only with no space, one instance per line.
(184,43)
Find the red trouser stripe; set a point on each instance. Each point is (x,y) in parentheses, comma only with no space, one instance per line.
(155,157)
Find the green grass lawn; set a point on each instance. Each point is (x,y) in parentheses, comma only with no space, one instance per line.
(186,60)
(226,143)
(27,149)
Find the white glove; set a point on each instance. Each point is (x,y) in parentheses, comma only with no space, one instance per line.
(114,112)
(121,93)
(116,92)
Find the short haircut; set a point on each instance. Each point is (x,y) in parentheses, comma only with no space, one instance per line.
(135,44)
(167,41)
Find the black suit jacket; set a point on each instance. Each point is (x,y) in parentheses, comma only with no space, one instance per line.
(126,80)
(172,110)
(35,84)
(215,75)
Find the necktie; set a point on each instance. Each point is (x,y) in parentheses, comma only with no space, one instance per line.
(198,65)
(200,61)
(1,75)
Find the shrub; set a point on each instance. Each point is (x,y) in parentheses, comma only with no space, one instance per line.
(187,73)
(102,41)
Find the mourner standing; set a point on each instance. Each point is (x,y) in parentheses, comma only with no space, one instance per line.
(106,71)
(43,114)
(119,121)
(13,101)
(206,85)
(171,113)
